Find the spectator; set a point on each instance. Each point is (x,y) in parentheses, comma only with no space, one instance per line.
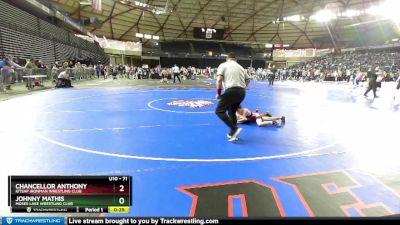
(64,80)
(98,71)
(7,67)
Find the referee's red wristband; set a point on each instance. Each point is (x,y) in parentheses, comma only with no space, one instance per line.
(219,91)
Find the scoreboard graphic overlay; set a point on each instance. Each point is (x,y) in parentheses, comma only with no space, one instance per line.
(78,194)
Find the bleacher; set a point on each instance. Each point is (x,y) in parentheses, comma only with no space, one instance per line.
(65,51)
(238,50)
(26,36)
(205,47)
(25,45)
(19,17)
(176,48)
(52,31)
(202,48)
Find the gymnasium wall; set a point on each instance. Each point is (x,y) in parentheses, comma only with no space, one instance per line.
(207,62)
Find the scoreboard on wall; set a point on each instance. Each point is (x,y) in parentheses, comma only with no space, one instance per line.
(74,194)
(208,33)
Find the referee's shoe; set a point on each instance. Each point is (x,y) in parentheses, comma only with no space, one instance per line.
(235,135)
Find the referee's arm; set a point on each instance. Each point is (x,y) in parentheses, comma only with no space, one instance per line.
(247,79)
(220,78)
(247,82)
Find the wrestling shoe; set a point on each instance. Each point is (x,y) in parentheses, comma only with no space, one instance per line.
(235,135)
(283,118)
(276,124)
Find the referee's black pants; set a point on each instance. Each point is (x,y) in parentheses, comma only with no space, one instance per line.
(178,76)
(228,105)
(371,86)
(271,80)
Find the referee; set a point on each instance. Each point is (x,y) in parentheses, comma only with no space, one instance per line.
(176,71)
(234,79)
(372,83)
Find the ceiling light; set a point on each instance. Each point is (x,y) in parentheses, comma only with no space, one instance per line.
(323,16)
(269,45)
(387,9)
(146,7)
(295,18)
(85,2)
(351,13)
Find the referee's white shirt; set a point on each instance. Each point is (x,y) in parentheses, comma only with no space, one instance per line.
(63,75)
(234,74)
(175,69)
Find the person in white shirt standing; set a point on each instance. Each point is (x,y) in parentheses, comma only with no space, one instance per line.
(176,71)
(234,79)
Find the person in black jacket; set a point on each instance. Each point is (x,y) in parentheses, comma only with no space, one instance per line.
(272,75)
(372,85)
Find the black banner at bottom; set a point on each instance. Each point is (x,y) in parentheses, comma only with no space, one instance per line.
(209,221)
(59,209)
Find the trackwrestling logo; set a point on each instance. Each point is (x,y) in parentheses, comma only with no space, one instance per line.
(33,220)
(191,103)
